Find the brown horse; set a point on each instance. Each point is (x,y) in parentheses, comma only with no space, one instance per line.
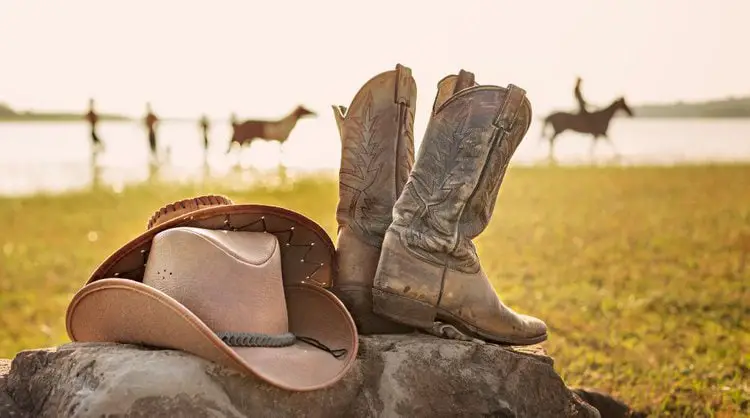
(244,133)
(595,123)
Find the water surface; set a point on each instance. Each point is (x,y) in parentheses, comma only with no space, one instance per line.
(55,157)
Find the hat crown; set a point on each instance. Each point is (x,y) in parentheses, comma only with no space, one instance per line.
(231,280)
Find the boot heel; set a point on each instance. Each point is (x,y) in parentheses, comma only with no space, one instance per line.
(403,310)
(358,300)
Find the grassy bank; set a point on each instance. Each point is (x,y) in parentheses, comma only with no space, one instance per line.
(642,274)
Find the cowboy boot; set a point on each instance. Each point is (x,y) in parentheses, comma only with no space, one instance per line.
(429,269)
(377,154)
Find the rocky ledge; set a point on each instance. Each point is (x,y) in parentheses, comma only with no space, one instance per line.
(395,376)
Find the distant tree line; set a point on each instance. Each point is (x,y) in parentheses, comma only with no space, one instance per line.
(725,108)
(8,114)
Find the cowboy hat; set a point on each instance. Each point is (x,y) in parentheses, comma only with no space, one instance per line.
(214,284)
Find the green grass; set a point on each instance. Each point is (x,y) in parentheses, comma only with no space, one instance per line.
(642,274)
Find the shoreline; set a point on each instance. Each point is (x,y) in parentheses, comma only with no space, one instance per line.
(249,179)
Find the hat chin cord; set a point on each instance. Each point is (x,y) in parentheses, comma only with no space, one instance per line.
(254,339)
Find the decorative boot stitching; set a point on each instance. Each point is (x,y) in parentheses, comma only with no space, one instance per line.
(365,152)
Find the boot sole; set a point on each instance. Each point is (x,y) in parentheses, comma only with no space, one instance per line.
(423,315)
(358,300)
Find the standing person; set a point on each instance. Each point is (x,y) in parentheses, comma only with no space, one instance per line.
(205,126)
(579,97)
(150,120)
(93,119)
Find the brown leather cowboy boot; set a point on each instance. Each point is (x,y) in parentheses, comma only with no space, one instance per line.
(429,269)
(377,154)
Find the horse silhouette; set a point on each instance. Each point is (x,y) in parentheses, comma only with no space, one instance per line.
(244,133)
(594,123)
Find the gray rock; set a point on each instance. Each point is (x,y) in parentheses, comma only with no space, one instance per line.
(395,376)
(8,407)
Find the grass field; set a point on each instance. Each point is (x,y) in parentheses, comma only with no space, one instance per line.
(642,274)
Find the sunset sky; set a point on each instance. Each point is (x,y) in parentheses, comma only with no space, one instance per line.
(261,58)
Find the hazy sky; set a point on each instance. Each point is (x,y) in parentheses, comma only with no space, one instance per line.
(261,58)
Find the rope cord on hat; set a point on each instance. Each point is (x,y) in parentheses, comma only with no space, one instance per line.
(337,353)
(253,339)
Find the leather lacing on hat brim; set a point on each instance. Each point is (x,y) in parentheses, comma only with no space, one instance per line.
(117,266)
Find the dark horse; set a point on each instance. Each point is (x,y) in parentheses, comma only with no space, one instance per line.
(595,123)
(244,133)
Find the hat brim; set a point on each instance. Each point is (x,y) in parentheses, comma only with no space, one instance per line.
(307,252)
(126,311)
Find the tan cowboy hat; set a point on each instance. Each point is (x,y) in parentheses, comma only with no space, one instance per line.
(241,285)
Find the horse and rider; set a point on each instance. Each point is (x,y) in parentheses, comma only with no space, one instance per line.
(594,123)
(579,97)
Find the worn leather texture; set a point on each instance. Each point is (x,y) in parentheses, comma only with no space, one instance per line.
(377,154)
(429,269)
(461,164)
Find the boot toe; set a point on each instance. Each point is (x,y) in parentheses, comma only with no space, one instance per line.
(533,328)
(515,329)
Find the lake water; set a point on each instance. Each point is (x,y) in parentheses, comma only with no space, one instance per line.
(55,157)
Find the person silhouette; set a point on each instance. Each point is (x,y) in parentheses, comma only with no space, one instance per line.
(579,97)
(205,126)
(93,119)
(150,120)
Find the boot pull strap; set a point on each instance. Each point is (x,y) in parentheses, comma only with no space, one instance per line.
(513,101)
(403,85)
(464,81)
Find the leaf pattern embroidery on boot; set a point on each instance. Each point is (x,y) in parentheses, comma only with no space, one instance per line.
(362,169)
(443,182)
(435,203)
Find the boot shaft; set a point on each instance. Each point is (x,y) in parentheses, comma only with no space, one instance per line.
(514,123)
(449,197)
(377,152)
